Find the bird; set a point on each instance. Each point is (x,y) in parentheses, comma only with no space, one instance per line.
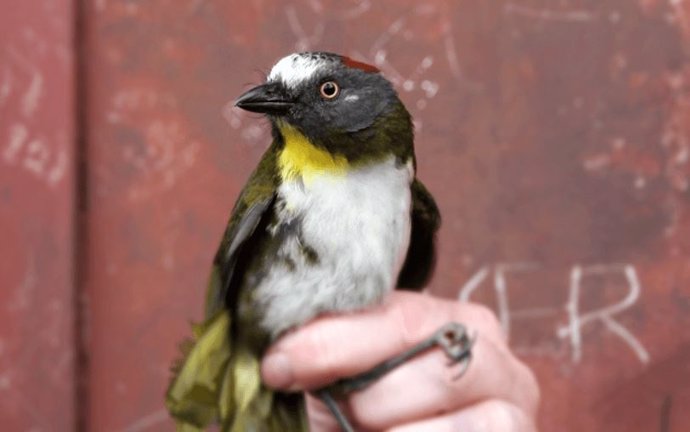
(332,219)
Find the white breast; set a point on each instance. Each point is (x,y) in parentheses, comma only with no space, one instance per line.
(359,227)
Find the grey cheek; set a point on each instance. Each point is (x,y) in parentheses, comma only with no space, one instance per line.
(351,98)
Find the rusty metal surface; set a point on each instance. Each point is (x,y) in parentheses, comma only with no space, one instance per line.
(36,216)
(554,134)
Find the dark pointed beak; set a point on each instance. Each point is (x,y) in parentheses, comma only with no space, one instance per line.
(270,98)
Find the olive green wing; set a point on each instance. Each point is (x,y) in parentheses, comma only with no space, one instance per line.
(421,254)
(252,208)
(218,378)
(235,248)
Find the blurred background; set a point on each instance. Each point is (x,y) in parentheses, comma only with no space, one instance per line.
(555,135)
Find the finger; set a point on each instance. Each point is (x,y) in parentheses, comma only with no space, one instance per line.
(344,345)
(427,387)
(320,417)
(488,416)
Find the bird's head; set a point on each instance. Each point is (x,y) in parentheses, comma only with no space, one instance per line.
(340,105)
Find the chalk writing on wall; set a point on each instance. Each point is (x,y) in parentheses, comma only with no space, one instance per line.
(573,313)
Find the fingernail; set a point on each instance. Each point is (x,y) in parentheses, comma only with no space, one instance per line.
(278,370)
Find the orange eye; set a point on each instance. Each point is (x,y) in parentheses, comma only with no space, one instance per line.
(329,90)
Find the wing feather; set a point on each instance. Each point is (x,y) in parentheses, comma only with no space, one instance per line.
(254,204)
(421,254)
(205,384)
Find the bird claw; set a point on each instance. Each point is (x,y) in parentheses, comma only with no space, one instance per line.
(457,344)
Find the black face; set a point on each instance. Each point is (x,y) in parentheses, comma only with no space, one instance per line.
(341,100)
(335,99)
(341,105)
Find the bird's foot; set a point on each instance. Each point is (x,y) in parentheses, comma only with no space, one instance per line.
(452,338)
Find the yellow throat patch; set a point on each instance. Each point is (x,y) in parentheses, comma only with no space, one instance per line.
(302,159)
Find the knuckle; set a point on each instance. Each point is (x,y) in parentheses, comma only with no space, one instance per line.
(487,320)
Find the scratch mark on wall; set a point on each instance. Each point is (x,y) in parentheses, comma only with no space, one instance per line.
(34,155)
(402,28)
(59,169)
(37,155)
(24,293)
(5,381)
(304,42)
(231,115)
(137,98)
(6,86)
(430,88)
(18,134)
(33,94)
(147,421)
(362,7)
(674,139)
(450,50)
(316,6)
(417,80)
(597,162)
(680,14)
(34,91)
(578,16)
(168,154)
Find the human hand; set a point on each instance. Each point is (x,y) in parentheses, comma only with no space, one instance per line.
(497,393)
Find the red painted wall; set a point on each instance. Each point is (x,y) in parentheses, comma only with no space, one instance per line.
(555,135)
(37,216)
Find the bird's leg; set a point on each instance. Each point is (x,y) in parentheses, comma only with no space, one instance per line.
(327,398)
(452,338)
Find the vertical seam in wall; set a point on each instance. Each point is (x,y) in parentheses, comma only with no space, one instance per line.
(80,220)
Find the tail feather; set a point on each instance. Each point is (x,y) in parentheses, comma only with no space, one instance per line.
(193,393)
(217,382)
